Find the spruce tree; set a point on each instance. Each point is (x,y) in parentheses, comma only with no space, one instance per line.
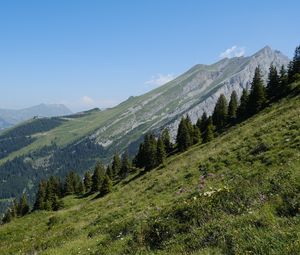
(160,152)
(203,123)
(232,107)
(209,132)
(40,196)
(70,184)
(220,113)
(150,152)
(183,139)
(125,166)
(97,177)
(106,186)
(57,203)
(283,81)
(242,113)
(167,141)
(87,181)
(140,157)
(116,164)
(294,66)
(23,207)
(273,89)
(257,96)
(196,135)
(109,172)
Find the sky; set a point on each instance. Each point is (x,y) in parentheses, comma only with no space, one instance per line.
(90,53)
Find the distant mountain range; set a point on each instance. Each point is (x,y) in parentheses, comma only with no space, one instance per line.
(54,146)
(9,118)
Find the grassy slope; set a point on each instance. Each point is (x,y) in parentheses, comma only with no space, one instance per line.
(254,179)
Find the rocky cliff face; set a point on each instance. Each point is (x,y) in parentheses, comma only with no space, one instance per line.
(192,93)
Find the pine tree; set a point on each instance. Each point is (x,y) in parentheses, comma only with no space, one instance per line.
(257,96)
(97,177)
(116,164)
(183,139)
(220,112)
(283,81)
(232,107)
(273,89)
(160,152)
(23,207)
(209,132)
(242,108)
(40,196)
(196,135)
(150,152)
(294,66)
(106,186)
(109,172)
(125,166)
(167,141)
(87,181)
(189,124)
(140,158)
(7,216)
(69,186)
(57,204)
(203,123)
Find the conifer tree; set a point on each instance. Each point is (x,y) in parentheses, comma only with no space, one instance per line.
(232,107)
(283,81)
(167,140)
(203,123)
(97,177)
(150,152)
(294,66)
(242,108)
(183,139)
(139,159)
(273,89)
(160,152)
(40,196)
(116,164)
(220,113)
(70,184)
(257,96)
(209,132)
(106,186)
(57,203)
(109,172)
(7,216)
(23,207)
(189,124)
(196,135)
(87,181)
(125,166)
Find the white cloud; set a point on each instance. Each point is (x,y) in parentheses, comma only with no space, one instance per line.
(160,79)
(87,101)
(234,51)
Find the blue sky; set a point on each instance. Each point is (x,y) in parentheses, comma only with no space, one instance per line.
(98,53)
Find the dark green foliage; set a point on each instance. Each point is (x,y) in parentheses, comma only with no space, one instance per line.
(40,196)
(116,164)
(23,207)
(184,139)
(109,172)
(273,85)
(283,82)
(160,152)
(57,203)
(106,186)
(294,66)
(196,135)
(209,132)
(257,96)
(202,123)
(125,166)
(242,109)
(150,145)
(73,184)
(87,181)
(167,141)
(220,113)
(97,177)
(232,107)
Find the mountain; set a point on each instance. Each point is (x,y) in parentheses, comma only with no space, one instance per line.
(10,118)
(41,147)
(238,194)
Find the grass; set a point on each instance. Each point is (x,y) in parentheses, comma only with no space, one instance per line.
(248,204)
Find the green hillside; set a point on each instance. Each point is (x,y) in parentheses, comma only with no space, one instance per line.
(239,194)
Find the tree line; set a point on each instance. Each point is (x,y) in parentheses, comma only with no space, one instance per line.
(154,150)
